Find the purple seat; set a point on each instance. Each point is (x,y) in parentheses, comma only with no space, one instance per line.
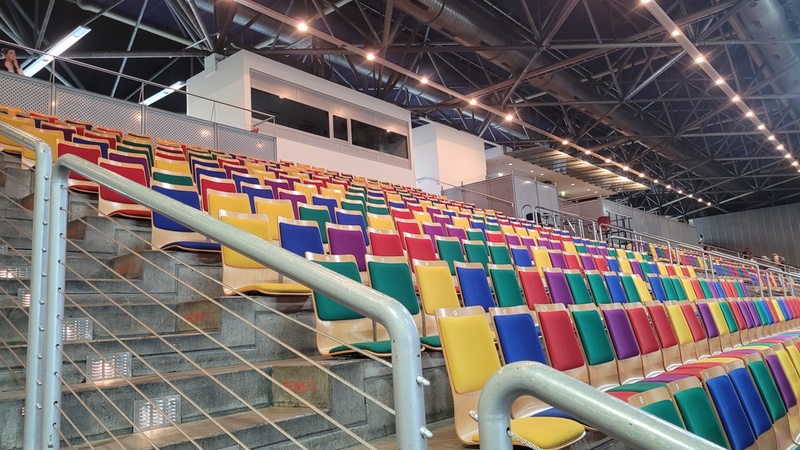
(441,219)
(587,261)
(348,240)
(637,269)
(545,243)
(513,239)
(432,210)
(433,230)
(557,259)
(131,158)
(592,250)
(558,287)
(293,196)
(784,388)
(528,242)
(621,332)
(708,320)
(603,251)
(751,309)
(748,320)
(276,184)
(456,232)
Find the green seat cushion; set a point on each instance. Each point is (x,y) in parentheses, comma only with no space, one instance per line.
(593,337)
(641,386)
(376,347)
(665,410)
(699,415)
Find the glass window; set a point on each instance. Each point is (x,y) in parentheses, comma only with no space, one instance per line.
(290,113)
(340,128)
(376,138)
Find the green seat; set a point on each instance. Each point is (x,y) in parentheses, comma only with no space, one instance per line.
(665,410)
(377,209)
(506,285)
(137,150)
(630,288)
(392,276)
(476,234)
(319,214)
(679,291)
(669,288)
(450,250)
(594,339)
(499,253)
(698,414)
(768,390)
(706,290)
(730,319)
(492,226)
(172,178)
(580,293)
(340,322)
(598,286)
(476,252)
(354,205)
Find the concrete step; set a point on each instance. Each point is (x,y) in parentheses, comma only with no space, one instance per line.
(184,273)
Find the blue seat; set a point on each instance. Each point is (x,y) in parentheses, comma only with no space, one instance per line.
(170,235)
(658,288)
(475,289)
(615,288)
(300,236)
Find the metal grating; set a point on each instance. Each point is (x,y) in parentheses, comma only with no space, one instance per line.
(110,366)
(3,249)
(24,92)
(157,412)
(78,329)
(85,106)
(24,297)
(15,273)
(178,127)
(246,142)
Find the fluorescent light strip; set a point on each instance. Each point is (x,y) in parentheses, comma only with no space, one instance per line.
(56,50)
(163,93)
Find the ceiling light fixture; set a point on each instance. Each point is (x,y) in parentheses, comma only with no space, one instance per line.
(424,80)
(761,126)
(163,93)
(780,147)
(749,114)
(676,32)
(473,102)
(56,50)
(719,81)
(735,98)
(509,117)
(565,142)
(680,191)
(302,26)
(588,152)
(771,137)
(371,56)
(608,160)
(669,186)
(699,59)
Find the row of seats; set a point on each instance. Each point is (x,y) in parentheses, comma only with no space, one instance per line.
(725,370)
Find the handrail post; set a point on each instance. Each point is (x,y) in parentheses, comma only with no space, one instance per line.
(581,401)
(34,366)
(408,382)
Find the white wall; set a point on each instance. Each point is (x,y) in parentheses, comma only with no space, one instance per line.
(232,79)
(449,155)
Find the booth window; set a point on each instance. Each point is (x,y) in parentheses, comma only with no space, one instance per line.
(290,113)
(376,138)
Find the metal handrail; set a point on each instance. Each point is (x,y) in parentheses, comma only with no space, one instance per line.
(34,371)
(583,402)
(408,381)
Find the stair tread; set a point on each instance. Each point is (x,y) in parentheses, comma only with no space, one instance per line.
(199,429)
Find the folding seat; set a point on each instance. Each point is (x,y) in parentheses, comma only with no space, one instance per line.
(670,344)
(407,226)
(450,251)
(344,217)
(601,263)
(254,191)
(453,231)
(597,348)
(521,256)
(91,153)
(532,286)
(506,286)
(629,286)
(577,286)
(686,342)
(658,288)
(420,247)
(436,290)
(475,290)
(710,327)
(385,242)
(658,402)
(441,219)
(476,252)
(624,266)
(230,201)
(167,234)
(127,147)
(615,287)
(587,262)
(111,203)
(459,222)
(392,276)
(380,222)
(641,289)
(688,289)
(335,323)
(274,209)
(102,143)
(650,353)
(613,264)
(476,234)
(499,253)
(300,236)
(561,342)
(558,286)
(471,358)
(629,358)
(597,286)
(677,285)
(378,209)
(348,240)
(318,214)
(557,259)
(207,183)
(541,259)
(296,197)
(696,409)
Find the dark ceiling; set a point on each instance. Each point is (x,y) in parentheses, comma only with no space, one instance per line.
(603,74)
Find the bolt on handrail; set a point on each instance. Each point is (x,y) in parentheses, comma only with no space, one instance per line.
(33,375)
(406,354)
(581,401)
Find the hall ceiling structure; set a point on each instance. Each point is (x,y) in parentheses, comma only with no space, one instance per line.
(600,80)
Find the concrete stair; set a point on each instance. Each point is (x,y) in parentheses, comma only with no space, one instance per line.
(131,292)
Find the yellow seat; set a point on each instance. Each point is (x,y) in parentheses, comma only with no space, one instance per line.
(471,358)
(243,274)
(228,201)
(380,221)
(274,209)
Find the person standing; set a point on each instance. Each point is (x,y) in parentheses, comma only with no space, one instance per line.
(10,62)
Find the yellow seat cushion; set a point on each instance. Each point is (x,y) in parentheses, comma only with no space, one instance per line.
(545,432)
(276,289)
